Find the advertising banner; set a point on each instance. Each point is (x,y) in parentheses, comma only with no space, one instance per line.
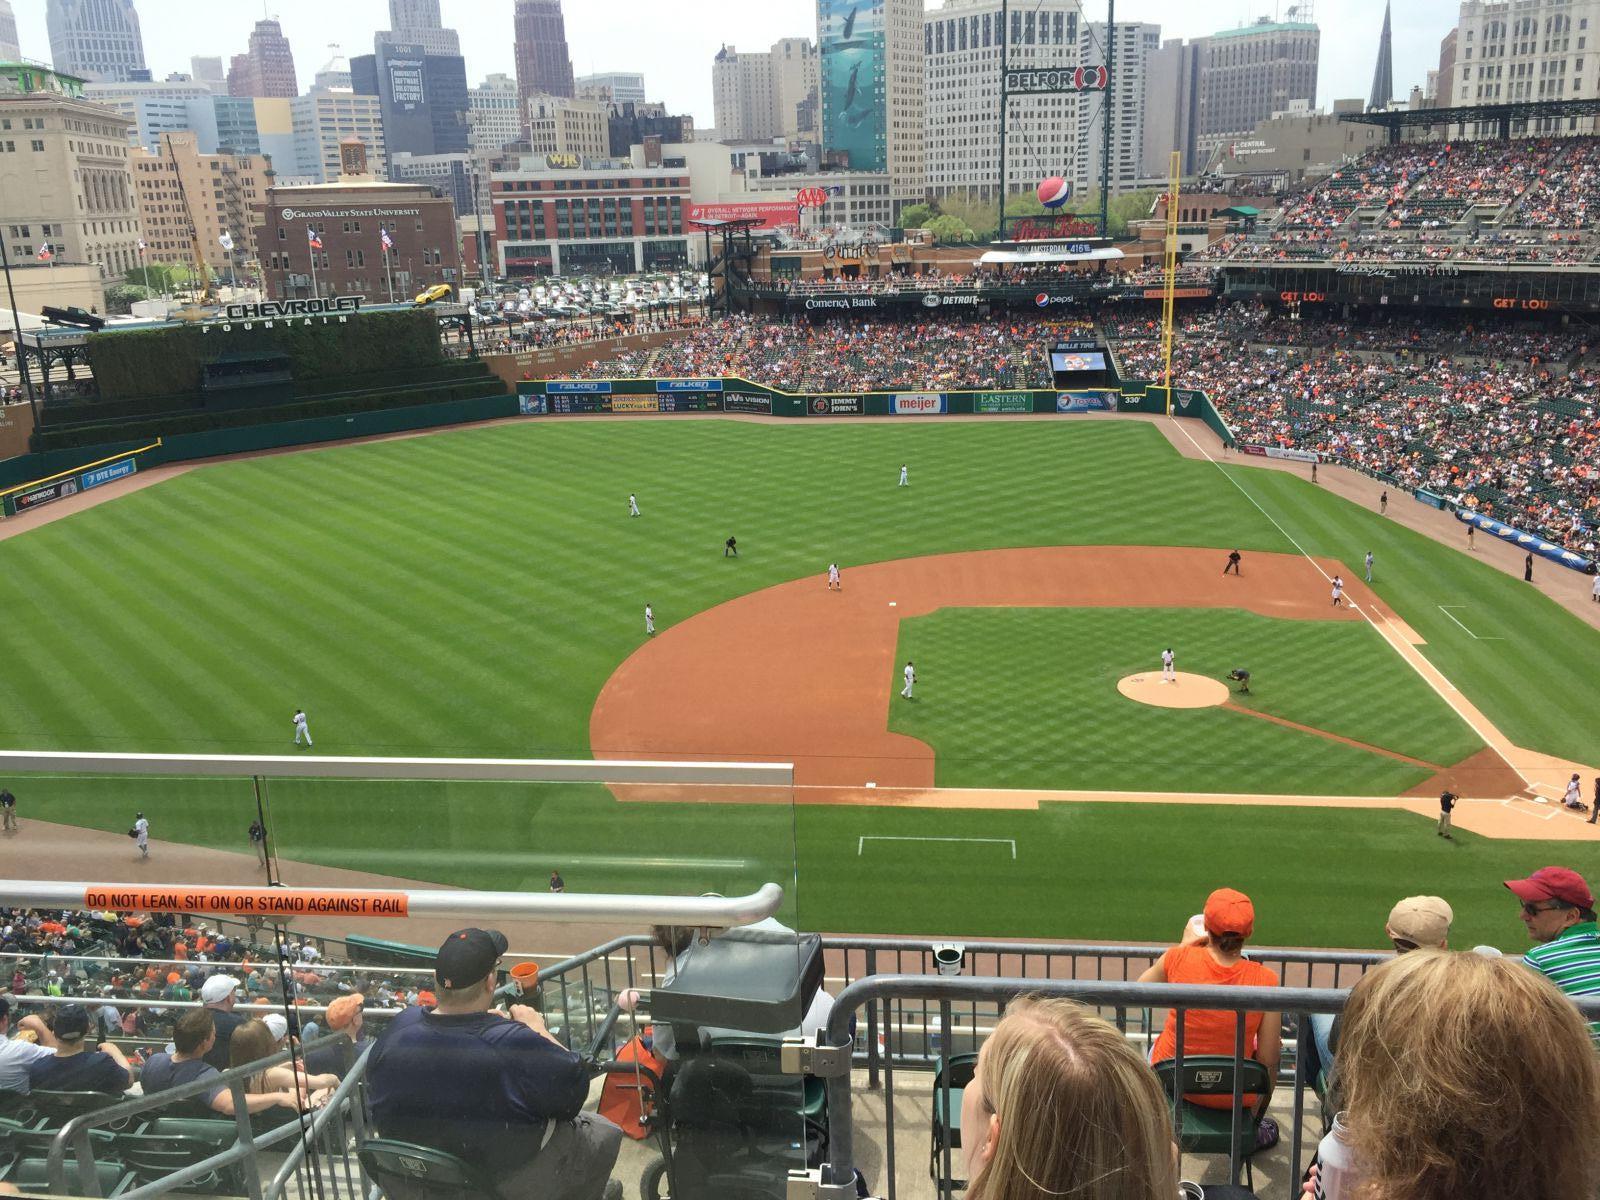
(531,406)
(120,469)
(854,118)
(635,404)
(835,406)
(45,494)
(1075,402)
(840,303)
(1183,293)
(1283,452)
(689,403)
(1002,402)
(771,214)
(1528,542)
(578,404)
(743,402)
(688,385)
(574,387)
(918,404)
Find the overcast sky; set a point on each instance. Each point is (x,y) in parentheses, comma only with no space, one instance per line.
(673,44)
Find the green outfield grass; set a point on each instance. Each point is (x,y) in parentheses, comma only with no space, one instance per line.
(469,593)
(1027,698)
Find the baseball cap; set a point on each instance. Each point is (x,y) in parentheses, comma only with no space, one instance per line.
(278,1024)
(467,956)
(343,1010)
(1422,920)
(1553,883)
(1228,911)
(71,1021)
(217,988)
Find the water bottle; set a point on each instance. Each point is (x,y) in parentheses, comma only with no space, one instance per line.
(1336,1178)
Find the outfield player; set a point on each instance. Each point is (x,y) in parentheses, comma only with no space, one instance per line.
(649,619)
(1383,502)
(1369,566)
(911,678)
(141,834)
(835,586)
(1338,591)
(904,482)
(301,729)
(1168,675)
(633,505)
(731,546)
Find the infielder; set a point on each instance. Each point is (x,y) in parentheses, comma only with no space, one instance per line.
(904,482)
(649,619)
(633,505)
(835,586)
(1369,566)
(1168,675)
(1338,591)
(301,730)
(141,833)
(911,678)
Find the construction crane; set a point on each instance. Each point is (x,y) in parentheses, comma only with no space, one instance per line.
(202,273)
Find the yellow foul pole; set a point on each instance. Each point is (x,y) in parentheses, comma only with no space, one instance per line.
(1169,295)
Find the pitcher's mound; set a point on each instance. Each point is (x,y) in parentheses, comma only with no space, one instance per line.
(1189,691)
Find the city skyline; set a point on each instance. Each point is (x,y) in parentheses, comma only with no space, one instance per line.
(175,30)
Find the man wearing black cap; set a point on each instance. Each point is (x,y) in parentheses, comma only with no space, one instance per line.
(73,1067)
(495,1090)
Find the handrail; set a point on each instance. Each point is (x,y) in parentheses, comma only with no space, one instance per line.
(75,1133)
(699,912)
(498,770)
(342,1094)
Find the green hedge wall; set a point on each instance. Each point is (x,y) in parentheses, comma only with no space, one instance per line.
(167,362)
(192,422)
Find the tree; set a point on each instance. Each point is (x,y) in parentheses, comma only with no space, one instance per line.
(163,277)
(982,217)
(915,216)
(950,228)
(121,297)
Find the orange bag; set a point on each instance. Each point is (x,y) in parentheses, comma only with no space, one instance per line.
(623,1097)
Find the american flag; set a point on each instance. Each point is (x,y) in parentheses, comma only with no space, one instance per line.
(226,241)
(312,239)
(388,242)
(142,246)
(45,253)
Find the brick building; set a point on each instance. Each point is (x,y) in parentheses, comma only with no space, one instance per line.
(222,191)
(348,219)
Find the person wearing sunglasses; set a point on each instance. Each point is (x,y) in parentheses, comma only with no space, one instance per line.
(1558,912)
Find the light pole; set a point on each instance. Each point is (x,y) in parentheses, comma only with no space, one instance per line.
(16,325)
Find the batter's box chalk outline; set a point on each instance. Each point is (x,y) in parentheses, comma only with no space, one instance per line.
(1445,609)
(861,843)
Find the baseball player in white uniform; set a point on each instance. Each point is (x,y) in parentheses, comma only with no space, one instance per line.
(1338,591)
(649,619)
(141,832)
(911,678)
(1168,675)
(301,729)
(1574,796)
(835,586)
(1594,592)
(633,505)
(1369,566)
(904,482)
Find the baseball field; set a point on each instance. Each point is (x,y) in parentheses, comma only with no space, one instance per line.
(481,592)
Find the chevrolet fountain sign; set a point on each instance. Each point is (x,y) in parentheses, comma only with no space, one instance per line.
(270,312)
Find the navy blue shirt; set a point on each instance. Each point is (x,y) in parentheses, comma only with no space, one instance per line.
(476,1085)
(89,1071)
(161,1073)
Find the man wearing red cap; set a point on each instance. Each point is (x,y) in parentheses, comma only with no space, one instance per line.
(1558,910)
(1216,958)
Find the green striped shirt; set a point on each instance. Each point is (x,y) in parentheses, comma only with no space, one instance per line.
(1571,962)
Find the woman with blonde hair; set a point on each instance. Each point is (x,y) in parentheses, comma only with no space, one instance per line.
(254,1041)
(1061,1106)
(1468,1078)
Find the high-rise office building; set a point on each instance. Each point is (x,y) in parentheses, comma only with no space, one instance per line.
(321,121)
(795,69)
(493,115)
(423,97)
(962,52)
(1383,72)
(267,68)
(1247,74)
(613,87)
(155,109)
(417,23)
(743,96)
(1528,50)
(871,85)
(1171,91)
(562,126)
(1123,104)
(333,75)
(209,71)
(544,68)
(218,191)
(95,39)
(10,47)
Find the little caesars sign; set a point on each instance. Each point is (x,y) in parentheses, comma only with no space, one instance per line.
(290,312)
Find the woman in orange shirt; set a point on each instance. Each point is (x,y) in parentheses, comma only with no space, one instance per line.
(1216,958)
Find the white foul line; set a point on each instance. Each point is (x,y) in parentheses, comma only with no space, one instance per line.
(1445,609)
(861,843)
(1471,724)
